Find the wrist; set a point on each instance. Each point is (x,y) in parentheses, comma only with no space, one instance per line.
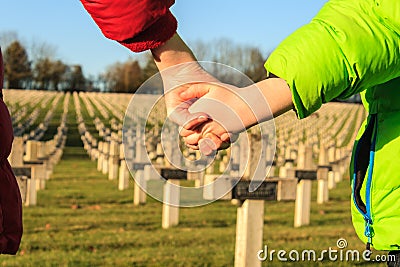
(256,106)
(226,105)
(268,98)
(173,52)
(181,75)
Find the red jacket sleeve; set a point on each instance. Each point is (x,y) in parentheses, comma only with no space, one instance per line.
(137,24)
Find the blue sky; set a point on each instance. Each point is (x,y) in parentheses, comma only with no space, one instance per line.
(66,25)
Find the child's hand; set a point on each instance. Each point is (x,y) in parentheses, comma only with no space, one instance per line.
(229,111)
(208,137)
(233,109)
(226,104)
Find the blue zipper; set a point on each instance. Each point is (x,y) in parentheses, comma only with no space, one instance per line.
(369,231)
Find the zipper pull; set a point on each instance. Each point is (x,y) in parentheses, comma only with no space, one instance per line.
(369,232)
(368,247)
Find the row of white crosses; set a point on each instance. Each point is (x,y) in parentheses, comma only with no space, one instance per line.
(20,129)
(140,146)
(96,149)
(287,186)
(115,103)
(250,213)
(294,185)
(19,99)
(111,103)
(360,117)
(99,99)
(136,153)
(100,107)
(297,158)
(88,105)
(337,156)
(18,114)
(143,173)
(40,130)
(100,127)
(332,161)
(90,143)
(22,117)
(323,197)
(108,152)
(33,161)
(329,130)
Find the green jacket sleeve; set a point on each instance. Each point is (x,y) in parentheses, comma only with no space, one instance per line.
(351,45)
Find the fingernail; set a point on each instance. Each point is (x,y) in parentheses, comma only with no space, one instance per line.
(203,118)
(205,150)
(225,137)
(210,143)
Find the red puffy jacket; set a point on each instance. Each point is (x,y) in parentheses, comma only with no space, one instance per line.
(138,25)
(10,197)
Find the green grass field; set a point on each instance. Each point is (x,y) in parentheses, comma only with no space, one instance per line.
(83,220)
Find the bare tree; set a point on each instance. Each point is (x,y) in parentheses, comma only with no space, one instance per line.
(255,69)
(246,59)
(41,50)
(201,50)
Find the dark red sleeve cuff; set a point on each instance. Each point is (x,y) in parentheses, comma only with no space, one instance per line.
(157,34)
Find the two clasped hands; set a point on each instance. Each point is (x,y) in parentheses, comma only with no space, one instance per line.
(206,110)
(212,113)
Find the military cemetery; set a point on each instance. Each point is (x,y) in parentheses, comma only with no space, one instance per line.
(60,137)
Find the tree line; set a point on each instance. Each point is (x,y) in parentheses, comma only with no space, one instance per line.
(43,71)
(21,72)
(128,76)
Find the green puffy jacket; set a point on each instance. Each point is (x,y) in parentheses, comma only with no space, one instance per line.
(353,46)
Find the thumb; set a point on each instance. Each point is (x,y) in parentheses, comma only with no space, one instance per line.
(195,91)
(193,121)
(187,120)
